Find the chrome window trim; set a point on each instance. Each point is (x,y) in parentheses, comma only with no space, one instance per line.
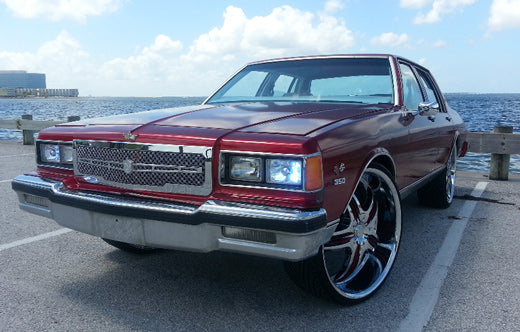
(395,82)
(389,57)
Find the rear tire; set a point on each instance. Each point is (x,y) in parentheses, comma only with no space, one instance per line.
(440,191)
(132,248)
(360,254)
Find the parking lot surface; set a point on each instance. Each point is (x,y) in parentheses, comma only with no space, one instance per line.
(457,269)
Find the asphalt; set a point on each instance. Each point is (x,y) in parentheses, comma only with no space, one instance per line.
(60,280)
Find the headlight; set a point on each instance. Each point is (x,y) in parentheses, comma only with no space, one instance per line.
(246,169)
(50,153)
(284,171)
(55,154)
(279,172)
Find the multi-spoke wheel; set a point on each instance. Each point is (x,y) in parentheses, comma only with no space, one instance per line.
(440,191)
(358,258)
(129,247)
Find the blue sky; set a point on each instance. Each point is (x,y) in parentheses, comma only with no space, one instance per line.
(187,48)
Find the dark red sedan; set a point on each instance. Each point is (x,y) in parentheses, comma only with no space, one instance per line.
(303,159)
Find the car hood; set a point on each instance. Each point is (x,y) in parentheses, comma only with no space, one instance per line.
(282,118)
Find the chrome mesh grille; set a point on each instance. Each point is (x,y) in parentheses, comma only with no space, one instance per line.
(161,168)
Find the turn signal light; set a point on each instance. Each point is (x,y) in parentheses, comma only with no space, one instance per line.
(313,173)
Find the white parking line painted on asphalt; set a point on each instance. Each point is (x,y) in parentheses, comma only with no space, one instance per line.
(4,181)
(427,294)
(34,239)
(17,155)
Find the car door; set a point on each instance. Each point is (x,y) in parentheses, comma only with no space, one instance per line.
(423,126)
(445,132)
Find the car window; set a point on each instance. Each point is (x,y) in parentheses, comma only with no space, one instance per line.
(365,88)
(428,86)
(411,89)
(344,80)
(283,85)
(246,86)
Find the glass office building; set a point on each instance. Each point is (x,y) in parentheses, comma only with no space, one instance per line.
(14,79)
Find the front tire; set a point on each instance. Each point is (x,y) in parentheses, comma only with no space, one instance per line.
(359,256)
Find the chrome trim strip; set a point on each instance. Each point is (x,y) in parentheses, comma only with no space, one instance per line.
(204,150)
(234,209)
(407,191)
(299,58)
(395,82)
(213,207)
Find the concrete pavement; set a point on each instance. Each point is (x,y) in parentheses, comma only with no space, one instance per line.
(55,279)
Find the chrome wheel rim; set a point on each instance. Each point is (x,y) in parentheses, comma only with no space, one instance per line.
(451,170)
(363,248)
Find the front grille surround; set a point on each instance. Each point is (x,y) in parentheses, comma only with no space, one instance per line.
(152,167)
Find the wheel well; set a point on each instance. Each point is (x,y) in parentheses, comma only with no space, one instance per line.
(386,162)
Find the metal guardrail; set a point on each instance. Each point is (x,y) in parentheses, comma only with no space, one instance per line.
(501,143)
(28,126)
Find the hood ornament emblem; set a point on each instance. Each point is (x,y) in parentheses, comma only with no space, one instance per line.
(129,136)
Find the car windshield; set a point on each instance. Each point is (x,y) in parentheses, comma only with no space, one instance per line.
(346,80)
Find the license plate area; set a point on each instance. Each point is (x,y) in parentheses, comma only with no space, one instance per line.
(124,229)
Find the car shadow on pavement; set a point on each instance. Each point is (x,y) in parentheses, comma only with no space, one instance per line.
(173,290)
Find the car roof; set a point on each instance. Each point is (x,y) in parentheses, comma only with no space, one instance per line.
(338,56)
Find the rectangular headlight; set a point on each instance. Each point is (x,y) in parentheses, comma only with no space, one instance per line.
(246,168)
(50,153)
(284,171)
(55,153)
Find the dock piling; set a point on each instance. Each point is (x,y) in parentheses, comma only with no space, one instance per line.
(499,166)
(27,135)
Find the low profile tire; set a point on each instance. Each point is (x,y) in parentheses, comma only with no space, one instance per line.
(359,256)
(132,248)
(440,191)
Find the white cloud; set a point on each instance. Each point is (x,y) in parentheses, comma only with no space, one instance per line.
(153,64)
(285,31)
(439,44)
(414,4)
(333,6)
(163,44)
(62,59)
(166,67)
(58,10)
(504,14)
(390,39)
(438,8)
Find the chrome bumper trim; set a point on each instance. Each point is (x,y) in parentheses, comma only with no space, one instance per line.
(299,234)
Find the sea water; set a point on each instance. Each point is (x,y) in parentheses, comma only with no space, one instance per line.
(481,112)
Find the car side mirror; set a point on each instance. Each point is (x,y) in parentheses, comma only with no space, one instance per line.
(427,108)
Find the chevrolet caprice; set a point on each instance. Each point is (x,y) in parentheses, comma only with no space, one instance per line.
(302,159)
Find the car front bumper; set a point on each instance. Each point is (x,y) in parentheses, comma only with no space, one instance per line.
(282,233)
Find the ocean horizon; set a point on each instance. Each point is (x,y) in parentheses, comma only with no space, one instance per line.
(480,111)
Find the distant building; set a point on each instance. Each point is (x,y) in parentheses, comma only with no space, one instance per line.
(13,79)
(21,84)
